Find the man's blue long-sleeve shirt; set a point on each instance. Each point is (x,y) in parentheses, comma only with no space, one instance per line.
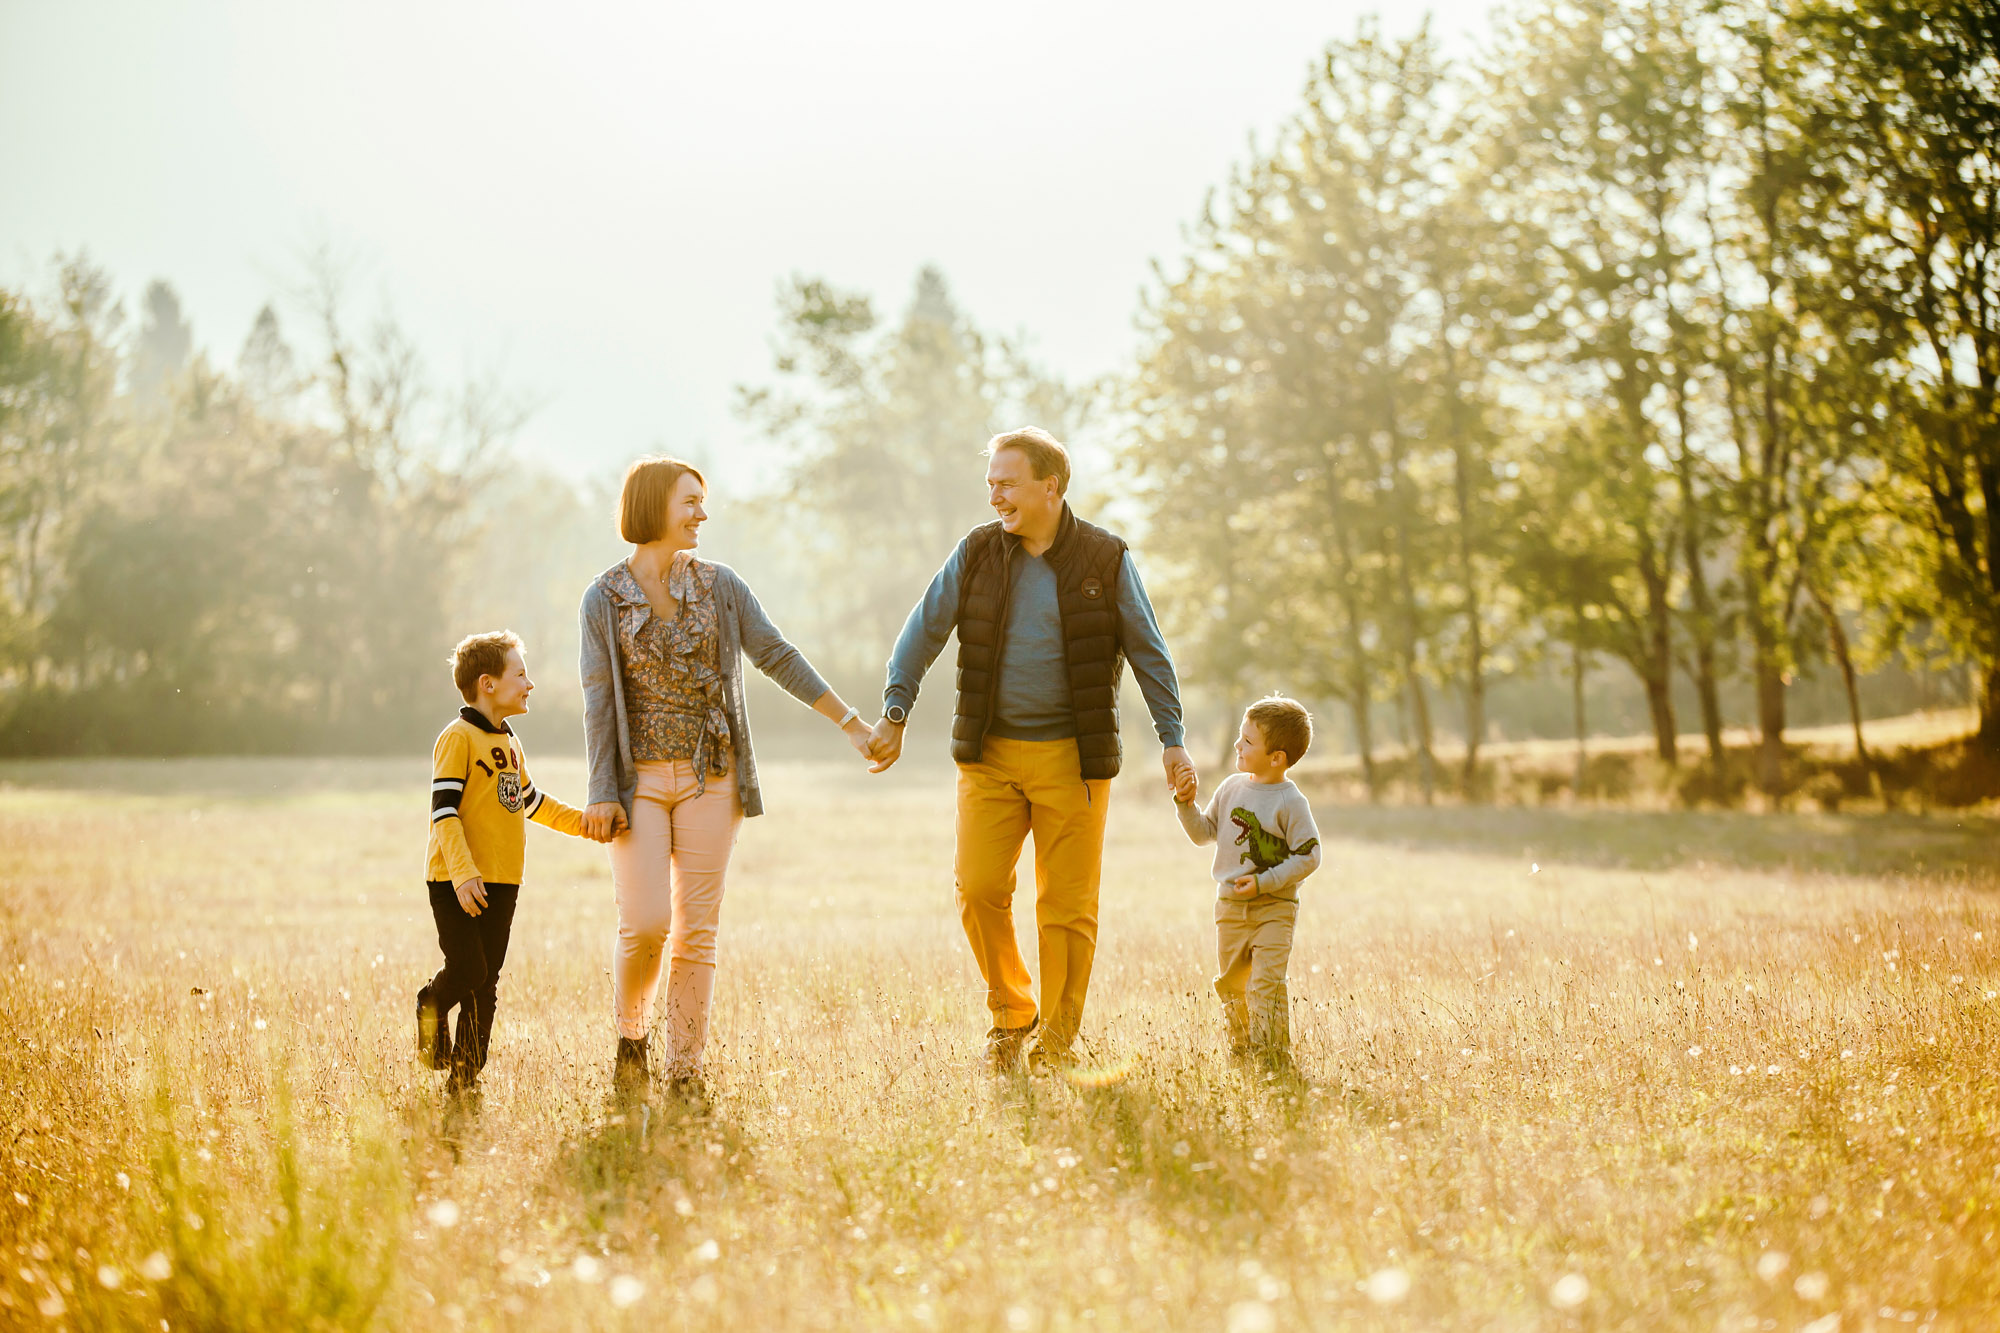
(1033,699)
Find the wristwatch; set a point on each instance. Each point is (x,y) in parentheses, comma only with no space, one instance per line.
(896,713)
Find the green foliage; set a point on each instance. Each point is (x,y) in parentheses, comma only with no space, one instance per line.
(191,561)
(1314,428)
(1614,341)
(881,430)
(1912,189)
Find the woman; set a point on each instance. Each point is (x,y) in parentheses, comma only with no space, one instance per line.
(668,746)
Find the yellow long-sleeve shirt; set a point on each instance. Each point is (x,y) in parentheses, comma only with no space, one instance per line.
(481,800)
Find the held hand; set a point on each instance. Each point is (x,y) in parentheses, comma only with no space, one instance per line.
(471,895)
(603,821)
(885,745)
(1180,773)
(861,736)
(1245,886)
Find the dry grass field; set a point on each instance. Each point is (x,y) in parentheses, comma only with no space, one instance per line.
(1559,1070)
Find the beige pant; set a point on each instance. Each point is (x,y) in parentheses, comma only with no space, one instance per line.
(667,872)
(1016,788)
(1253,945)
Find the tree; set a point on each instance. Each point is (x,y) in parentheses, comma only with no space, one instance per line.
(882,430)
(1611,153)
(164,346)
(1911,109)
(207,567)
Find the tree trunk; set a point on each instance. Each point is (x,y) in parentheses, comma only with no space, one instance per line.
(1767,670)
(1770,707)
(1475,640)
(1701,624)
(1768,504)
(1989,709)
(1420,718)
(1660,703)
(1360,695)
(1693,531)
(1576,698)
(1658,672)
(1405,518)
(1836,637)
(1364,740)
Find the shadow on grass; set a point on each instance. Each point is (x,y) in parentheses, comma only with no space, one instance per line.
(1201,1145)
(1862,844)
(643,1155)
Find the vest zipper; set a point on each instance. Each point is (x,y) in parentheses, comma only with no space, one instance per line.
(999,638)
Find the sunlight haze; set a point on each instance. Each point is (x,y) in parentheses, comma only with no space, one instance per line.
(599,203)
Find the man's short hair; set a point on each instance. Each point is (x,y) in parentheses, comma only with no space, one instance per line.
(481,655)
(1285,725)
(1045,453)
(648,490)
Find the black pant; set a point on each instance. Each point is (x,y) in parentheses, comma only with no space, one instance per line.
(474,948)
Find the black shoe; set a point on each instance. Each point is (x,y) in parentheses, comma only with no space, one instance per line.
(463,1098)
(1003,1047)
(433,1034)
(630,1069)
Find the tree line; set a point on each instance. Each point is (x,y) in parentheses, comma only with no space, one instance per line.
(200,560)
(1652,334)
(1660,333)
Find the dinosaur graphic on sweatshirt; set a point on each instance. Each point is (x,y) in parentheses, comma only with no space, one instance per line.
(1261,847)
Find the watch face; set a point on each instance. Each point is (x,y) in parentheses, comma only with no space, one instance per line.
(896,714)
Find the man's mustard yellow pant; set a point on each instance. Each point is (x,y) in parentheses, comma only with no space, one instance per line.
(1018,787)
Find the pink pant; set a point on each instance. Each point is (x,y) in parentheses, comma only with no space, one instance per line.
(667,872)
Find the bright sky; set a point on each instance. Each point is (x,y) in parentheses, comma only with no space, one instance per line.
(601,200)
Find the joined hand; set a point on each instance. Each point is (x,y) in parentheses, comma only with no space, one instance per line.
(861,736)
(1180,773)
(603,821)
(885,745)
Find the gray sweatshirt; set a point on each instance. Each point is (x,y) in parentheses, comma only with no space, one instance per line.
(1271,834)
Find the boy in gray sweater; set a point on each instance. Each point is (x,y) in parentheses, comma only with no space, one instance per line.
(1257,872)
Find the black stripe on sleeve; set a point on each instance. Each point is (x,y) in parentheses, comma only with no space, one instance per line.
(444,799)
(533,802)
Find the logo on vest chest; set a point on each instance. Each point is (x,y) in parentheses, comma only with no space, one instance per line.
(1093,589)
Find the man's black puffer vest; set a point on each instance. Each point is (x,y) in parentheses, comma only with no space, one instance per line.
(1086,560)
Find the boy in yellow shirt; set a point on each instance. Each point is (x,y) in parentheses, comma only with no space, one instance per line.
(481,800)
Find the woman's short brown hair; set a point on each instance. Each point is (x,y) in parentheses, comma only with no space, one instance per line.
(481,655)
(1044,452)
(1284,724)
(648,490)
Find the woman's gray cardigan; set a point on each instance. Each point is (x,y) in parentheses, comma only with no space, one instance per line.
(743,629)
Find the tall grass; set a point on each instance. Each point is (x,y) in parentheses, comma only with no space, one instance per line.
(1748,1087)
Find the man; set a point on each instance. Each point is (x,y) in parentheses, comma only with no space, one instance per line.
(1048,608)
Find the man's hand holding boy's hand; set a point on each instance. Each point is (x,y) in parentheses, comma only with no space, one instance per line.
(471,895)
(1244,886)
(1180,773)
(603,821)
